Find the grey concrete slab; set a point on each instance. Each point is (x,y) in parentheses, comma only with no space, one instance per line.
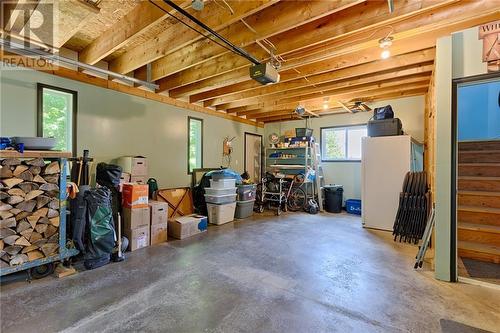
(294,273)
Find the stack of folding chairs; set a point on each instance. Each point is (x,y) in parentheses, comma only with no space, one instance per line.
(414,201)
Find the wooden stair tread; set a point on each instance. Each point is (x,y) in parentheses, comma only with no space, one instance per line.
(479,164)
(478,209)
(479,227)
(480,193)
(489,151)
(478,247)
(477,178)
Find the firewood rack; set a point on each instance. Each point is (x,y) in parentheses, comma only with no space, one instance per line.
(66,250)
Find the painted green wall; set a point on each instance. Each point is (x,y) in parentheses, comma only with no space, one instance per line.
(457,56)
(410,110)
(111,124)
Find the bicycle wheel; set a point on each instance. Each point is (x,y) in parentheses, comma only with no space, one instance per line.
(297,200)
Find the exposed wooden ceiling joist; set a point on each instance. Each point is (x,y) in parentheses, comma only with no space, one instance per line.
(178,36)
(141,18)
(224,95)
(50,23)
(371,17)
(280,17)
(287,115)
(345,84)
(327,79)
(421,33)
(310,100)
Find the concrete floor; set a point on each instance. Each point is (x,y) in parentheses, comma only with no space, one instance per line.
(295,273)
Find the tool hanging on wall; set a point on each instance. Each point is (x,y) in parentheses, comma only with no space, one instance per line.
(227,150)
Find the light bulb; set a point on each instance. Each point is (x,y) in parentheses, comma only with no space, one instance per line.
(385,54)
(325,106)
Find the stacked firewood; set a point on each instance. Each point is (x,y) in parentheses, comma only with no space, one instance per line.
(29,210)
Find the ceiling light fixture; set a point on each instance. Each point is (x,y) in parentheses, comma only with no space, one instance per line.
(385,43)
(197,5)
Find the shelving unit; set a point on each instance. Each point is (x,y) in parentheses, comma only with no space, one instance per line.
(289,165)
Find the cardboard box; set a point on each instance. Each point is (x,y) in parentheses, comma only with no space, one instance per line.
(159,233)
(135,195)
(125,177)
(186,226)
(141,180)
(134,165)
(138,238)
(159,212)
(134,218)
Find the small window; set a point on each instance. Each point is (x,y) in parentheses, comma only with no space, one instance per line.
(57,116)
(195,144)
(342,143)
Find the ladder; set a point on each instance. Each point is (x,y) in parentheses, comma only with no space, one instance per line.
(318,169)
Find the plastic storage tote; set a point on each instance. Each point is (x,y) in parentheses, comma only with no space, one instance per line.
(244,209)
(220,199)
(353,206)
(246,192)
(220,214)
(220,191)
(223,183)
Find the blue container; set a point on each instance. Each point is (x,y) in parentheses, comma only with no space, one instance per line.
(353,206)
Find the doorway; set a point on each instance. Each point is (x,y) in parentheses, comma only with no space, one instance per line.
(253,156)
(476,178)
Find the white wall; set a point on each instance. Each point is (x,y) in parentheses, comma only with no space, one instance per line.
(111,124)
(457,56)
(410,110)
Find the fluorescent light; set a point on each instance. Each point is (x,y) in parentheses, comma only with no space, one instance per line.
(385,54)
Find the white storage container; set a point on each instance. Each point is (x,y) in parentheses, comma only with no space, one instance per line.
(220,191)
(220,214)
(220,199)
(223,183)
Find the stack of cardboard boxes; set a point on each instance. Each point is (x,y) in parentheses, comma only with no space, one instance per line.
(135,169)
(136,216)
(158,221)
(145,222)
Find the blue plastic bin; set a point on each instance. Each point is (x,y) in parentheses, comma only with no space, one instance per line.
(353,206)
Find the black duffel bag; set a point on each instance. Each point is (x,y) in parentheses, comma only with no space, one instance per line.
(384,112)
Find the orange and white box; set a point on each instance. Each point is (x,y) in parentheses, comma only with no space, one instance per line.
(135,196)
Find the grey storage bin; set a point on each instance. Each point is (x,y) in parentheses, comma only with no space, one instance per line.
(246,192)
(244,209)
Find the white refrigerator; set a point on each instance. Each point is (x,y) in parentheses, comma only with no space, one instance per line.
(384,164)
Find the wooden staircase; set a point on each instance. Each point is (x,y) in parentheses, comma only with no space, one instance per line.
(478,214)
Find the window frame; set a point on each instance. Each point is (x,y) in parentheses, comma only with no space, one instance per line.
(39,125)
(347,127)
(189,142)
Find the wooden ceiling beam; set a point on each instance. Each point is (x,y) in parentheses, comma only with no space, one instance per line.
(354,85)
(13,17)
(369,16)
(285,114)
(395,62)
(280,17)
(177,36)
(141,18)
(346,83)
(68,17)
(316,101)
(415,33)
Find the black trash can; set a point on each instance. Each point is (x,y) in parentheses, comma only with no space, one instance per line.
(333,198)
